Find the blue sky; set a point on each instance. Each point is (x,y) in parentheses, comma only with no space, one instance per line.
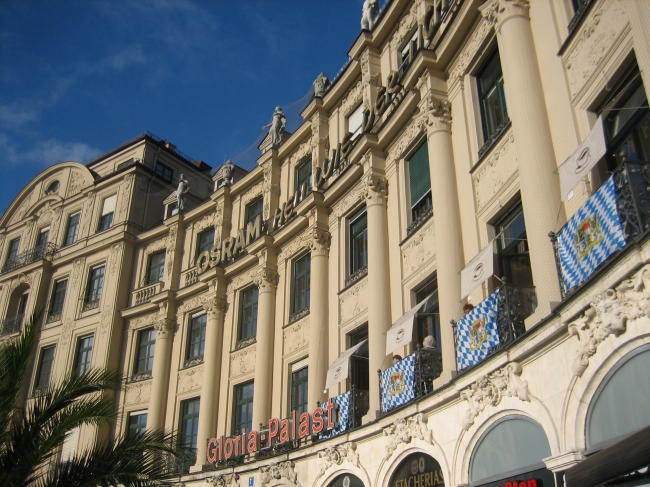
(78,78)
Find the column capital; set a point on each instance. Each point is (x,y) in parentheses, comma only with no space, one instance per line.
(318,241)
(437,114)
(164,326)
(266,279)
(496,12)
(375,189)
(213,305)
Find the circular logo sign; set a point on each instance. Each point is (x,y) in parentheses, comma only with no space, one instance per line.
(421,464)
(583,159)
(414,467)
(337,372)
(346,481)
(478,272)
(400,335)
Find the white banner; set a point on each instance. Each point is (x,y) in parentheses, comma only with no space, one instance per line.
(339,369)
(588,154)
(479,269)
(401,332)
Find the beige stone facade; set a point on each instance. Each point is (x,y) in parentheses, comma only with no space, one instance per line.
(419,75)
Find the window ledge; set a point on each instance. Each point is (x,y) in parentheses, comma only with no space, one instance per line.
(193,362)
(576,22)
(140,377)
(53,317)
(417,224)
(494,138)
(298,315)
(354,278)
(245,342)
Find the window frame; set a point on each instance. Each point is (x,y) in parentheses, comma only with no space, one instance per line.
(357,112)
(106,218)
(160,267)
(250,217)
(193,326)
(299,181)
(71,239)
(90,293)
(39,369)
(294,284)
(429,287)
(53,300)
(163,171)
(199,246)
(419,209)
(11,254)
(148,347)
(130,425)
(186,416)
(354,267)
(301,385)
(502,249)
(241,335)
(489,133)
(242,402)
(42,231)
(83,355)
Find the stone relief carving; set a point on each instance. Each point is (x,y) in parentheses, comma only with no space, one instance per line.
(459,67)
(66,333)
(77,271)
(268,188)
(116,252)
(294,246)
(419,249)
(608,314)
(354,97)
(225,480)
(87,214)
(138,392)
(191,304)
(277,471)
(495,171)
(22,209)
(171,247)
(318,241)
(342,206)
(437,114)
(412,130)
(296,336)
(190,379)
(213,304)
(353,301)
(76,183)
(375,189)
(141,322)
(319,135)
(252,193)
(266,279)
(107,319)
(27,233)
(337,455)
(404,430)
(405,27)
(124,197)
(243,361)
(240,281)
(300,153)
(490,389)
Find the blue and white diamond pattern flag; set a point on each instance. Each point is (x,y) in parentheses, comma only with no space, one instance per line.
(398,383)
(478,333)
(343,403)
(590,236)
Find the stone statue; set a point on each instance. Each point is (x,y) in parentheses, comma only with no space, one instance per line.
(181,191)
(320,85)
(369,14)
(277,127)
(226,173)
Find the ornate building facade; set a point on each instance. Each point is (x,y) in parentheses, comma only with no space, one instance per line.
(275,293)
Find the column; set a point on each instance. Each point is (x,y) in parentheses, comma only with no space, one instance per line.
(164,326)
(215,307)
(540,188)
(447,224)
(319,243)
(379,317)
(266,280)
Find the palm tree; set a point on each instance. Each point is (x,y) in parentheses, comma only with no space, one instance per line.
(31,434)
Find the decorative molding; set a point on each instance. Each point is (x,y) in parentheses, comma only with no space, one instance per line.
(155,245)
(345,204)
(243,361)
(114,258)
(190,379)
(318,241)
(107,319)
(296,336)
(375,189)
(404,430)
(225,480)
(125,190)
(294,246)
(353,301)
(277,471)
(469,52)
(608,314)
(437,114)
(337,455)
(405,27)
(419,249)
(495,171)
(253,193)
(266,279)
(77,271)
(22,209)
(301,152)
(191,304)
(171,247)
(353,98)
(319,135)
(163,326)
(242,280)
(490,389)
(406,138)
(66,333)
(213,304)
(87,214)
(142,322)
(138,392)
(75,184)
(496,12)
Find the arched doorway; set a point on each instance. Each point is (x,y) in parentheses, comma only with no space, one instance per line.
(418,470)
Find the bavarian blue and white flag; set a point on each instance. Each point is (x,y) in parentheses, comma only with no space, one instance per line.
(343,403)
(477,333)
(398,383)
(590,236)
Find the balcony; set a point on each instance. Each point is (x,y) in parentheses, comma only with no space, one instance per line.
(356,276)
(53,316)
(145,294)
(189,277)
(90,305)
(172,466)
(47,251)
(419,221)
(12,325)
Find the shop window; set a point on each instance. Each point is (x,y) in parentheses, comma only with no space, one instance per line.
(94,289)
(205,241)
(355,122)
(57,300)
(299,382)
(513,445)
(609,416)
(419,184)
(512,249)
(44,369)
(358,230)
(43,236)
(494,113)
(248,314)
(165,172)
(12,251)
(108,209)
(301,284)
(84,354)
(254,209)
(156,268)
(428,317)
(303,176)
(72,229)
(146,347)
(137,424)
(196,338)
(359,376)
(243,415)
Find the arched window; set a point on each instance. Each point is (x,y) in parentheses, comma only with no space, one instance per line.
(346,480)
(510,447)
(621,402)
(418,469)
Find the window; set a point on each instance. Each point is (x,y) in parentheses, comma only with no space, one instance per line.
(253,209)
(358,241)
(156,268)
(248,314)
(359,366)
(299,390)
(196,338)
(95,283)
(58,297)
(166,173)
(301,283)
(108,209)
(172,209)
(137,424)
(146,347)
(22,304)
(512,249)
(72,230)
(44,369)
(43,235)
(189,429)
(84,354)
(492,97)
(125,164)
(405,54)
(579,4)
(12,251)
(355,122)
(303,176)
(428,318)
(420,183)
(243,408)
(205,241)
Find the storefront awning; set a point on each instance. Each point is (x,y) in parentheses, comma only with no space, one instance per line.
(339,369)
(401,332)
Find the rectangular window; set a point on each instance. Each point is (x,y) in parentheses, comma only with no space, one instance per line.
(156,267)
(12,251)
(358,225)
(44,370)
(196,338)
(137,424)
(303,176)
(243,408)
(301,283)
(253,209)
(205,241)
(146,347)
(428,318)
(248,313)
(72,229)
(125,164)
(512,249)
(166,173)
(58,297)
(43,236)
(189,431)
(420,183)
(492,97)
(359,366)
(579,4)
(408,52)
(84,354)
(22,304)
(355,122)
(108,210)
(299,390)
(95,284)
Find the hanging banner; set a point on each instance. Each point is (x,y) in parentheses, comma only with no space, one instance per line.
(401,332)
(398,383)
(588,154)
(342,403)
(590,236)
(479,269)
(477,333)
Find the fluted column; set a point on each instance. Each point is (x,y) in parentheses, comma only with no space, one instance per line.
(379,316)
(446,221)
(540,188)
(319,243)
(266,280)
(164,326)
(215,307)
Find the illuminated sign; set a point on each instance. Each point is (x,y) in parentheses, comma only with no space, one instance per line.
(418,470)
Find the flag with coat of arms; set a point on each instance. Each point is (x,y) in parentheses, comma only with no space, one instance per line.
(398,383)
(477,333)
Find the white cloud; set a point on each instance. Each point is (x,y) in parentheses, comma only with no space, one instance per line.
(47,152)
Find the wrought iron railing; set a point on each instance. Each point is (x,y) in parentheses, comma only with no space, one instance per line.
(298,315)
(88,305)
(47,251)
(496,135)
(12,325)
(417,223)
(356,276)
(359,406)
(192,362)
(54,316)
(245,342)
(172,465)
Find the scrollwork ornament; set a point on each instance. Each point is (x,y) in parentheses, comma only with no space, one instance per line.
(496,12)
(375,190)
(225,480)
(266,279)
(277,471)
(404,430)
(213,305)
(318,241)
(337,455)
(164,326)
(438,114)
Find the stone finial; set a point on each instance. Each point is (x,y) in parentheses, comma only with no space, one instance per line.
(227,173)
(320,85)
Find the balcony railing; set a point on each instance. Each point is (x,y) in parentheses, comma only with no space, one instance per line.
(144,294)
(358,275)
(89,305)
(417,223)
(359,406)
(54,316)
(171,465)
(189,277)
(12,325)
(47,251)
